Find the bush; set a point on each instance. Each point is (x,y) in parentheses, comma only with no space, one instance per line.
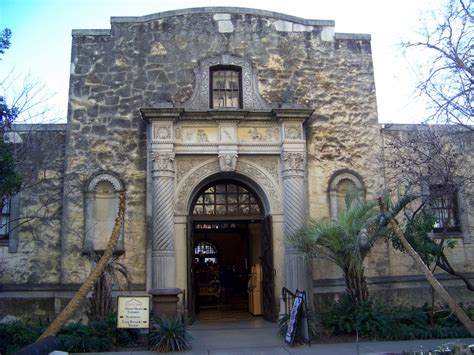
(169,335)
(18,334)
(97,336)
(375,321)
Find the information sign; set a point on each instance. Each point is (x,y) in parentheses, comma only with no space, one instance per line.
(293,321)
(133,312)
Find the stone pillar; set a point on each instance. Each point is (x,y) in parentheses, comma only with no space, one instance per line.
(294,211)
(162,244)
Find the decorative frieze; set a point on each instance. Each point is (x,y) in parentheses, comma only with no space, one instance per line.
(258,134)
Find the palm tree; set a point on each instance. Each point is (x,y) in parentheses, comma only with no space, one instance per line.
(345,241)
(81,294)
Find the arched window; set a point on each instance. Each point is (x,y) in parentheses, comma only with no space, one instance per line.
(340,184)
(226,199)
(102,200)
(205,252)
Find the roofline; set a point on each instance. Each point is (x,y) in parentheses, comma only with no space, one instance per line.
(222,9)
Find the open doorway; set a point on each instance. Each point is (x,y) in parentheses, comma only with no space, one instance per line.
(226,249)
(224,253)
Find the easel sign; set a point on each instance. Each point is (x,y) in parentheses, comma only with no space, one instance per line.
(133,312)
(294,317)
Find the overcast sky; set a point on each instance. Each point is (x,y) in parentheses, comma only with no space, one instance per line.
(41,42)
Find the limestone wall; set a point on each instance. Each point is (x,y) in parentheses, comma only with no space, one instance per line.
(148,61)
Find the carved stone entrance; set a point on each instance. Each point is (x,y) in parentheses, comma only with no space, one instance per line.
(225,128)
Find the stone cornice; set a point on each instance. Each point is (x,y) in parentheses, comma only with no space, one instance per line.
(223,9)
(166,113)
(162,113)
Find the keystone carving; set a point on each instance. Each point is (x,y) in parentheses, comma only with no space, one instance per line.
(227,162)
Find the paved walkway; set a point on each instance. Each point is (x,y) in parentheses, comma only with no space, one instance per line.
(258,337)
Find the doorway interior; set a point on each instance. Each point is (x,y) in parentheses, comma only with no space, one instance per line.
(225,253)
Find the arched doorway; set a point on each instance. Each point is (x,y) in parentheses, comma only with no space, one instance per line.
(230,236)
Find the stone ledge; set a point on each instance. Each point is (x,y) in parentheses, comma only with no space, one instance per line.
(388,280)
(354,36)
(39,127)
(5,288)
(90,32)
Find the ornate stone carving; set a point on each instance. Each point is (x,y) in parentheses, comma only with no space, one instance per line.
(227,134)
(259,134)
(292,132)
(247,168)
(177,133)
(200,98)
(163,161)
(161,132)
(255,135)
(202,136)
(272,134)
(227,162)
(293,161)
(115,182)
(270,164)
(183,167)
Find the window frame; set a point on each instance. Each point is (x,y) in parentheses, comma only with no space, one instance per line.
(221,198)
(221,68)
(455,208)
(11,240)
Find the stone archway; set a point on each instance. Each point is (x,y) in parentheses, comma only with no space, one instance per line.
(227,211)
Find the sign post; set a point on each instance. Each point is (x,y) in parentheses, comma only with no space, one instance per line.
(133,312)
(293,321)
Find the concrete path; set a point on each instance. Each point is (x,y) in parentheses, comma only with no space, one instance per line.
(258,337)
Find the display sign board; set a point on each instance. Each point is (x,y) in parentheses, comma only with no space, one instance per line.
(293,321)
(133,312)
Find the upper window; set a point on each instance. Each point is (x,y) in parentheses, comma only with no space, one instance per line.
(226,87)
(5,221)
(444,203)
(226,199)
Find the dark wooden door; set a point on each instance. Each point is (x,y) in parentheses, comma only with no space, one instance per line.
(268,271)
(191,294)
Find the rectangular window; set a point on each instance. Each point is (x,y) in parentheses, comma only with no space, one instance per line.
(5,221)
(444,203)
(226,87)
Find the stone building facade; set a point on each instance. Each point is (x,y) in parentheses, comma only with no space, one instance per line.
(238,120)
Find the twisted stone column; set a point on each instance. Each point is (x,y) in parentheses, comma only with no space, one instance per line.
(163,257)
(294,211)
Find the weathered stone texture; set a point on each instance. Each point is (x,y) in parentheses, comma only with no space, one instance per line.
(152,62)
(40,159)
(142,64)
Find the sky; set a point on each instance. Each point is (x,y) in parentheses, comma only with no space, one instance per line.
(41,40)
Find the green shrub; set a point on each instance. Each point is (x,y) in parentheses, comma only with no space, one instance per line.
(375,321)
(18,334)
(169,335)
(97,336)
